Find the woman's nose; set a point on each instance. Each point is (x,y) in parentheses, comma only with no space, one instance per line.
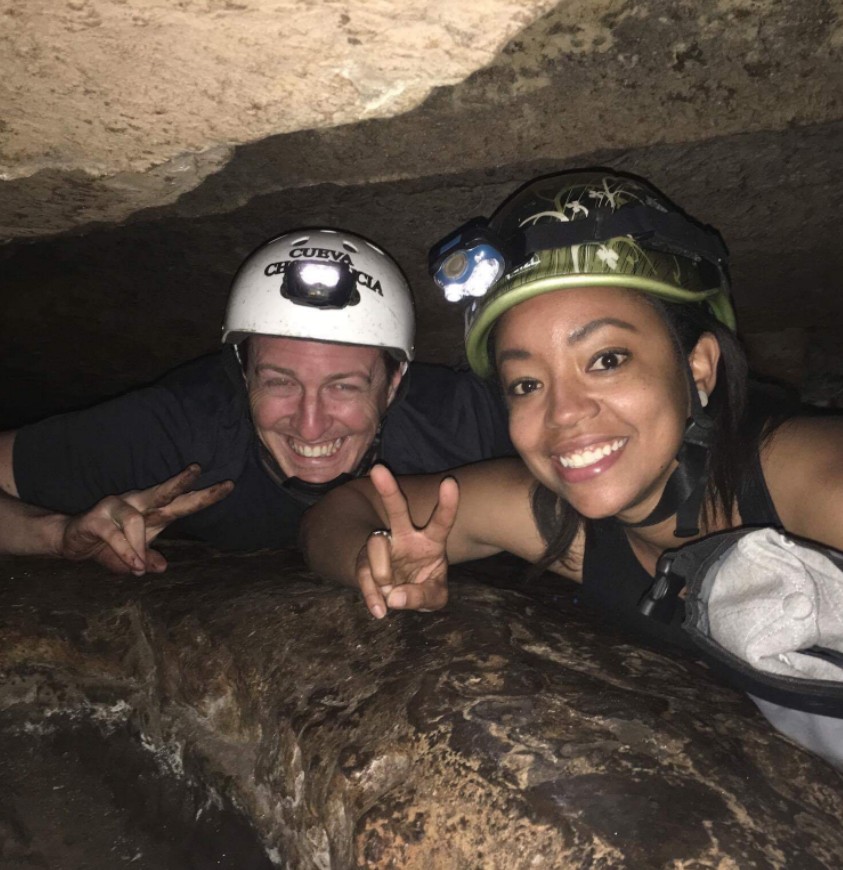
(568,404)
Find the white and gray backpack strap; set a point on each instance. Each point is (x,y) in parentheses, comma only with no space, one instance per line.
(766,611)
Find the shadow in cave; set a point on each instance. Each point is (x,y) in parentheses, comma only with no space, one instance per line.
(77,796)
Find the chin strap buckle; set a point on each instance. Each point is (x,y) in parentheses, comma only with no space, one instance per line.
(660,601)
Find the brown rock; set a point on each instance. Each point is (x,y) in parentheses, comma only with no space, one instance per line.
(509,730)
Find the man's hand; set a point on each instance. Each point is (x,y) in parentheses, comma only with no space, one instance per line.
(406,568)
(116,532)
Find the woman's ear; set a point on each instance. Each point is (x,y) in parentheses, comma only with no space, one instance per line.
(703,360)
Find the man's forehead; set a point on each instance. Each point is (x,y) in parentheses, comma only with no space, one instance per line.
(324,356)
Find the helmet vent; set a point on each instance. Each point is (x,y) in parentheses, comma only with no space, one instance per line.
(349,247)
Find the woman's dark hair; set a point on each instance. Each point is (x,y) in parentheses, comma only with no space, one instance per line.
(732,449)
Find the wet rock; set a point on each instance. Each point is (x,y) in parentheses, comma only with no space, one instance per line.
(510,730)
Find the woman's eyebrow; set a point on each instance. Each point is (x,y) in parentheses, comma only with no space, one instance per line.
(513,353)
(583,332)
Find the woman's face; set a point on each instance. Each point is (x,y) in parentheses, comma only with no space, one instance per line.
(597,399)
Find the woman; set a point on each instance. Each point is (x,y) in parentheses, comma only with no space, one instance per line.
(603,311)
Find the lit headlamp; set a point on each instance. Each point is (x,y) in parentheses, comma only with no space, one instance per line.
(468,262)
(320,285)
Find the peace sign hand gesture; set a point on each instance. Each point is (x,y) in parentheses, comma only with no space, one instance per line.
(117,531)
(406,568)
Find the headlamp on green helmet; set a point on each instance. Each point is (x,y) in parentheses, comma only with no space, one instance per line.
(579,230)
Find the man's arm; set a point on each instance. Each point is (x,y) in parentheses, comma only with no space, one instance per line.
(115,532)
(7,474)
(24,529)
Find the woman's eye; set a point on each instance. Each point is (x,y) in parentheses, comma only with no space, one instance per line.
(608,359)
(523,387)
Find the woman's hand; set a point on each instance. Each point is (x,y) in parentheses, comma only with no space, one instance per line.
(406,567)
(116,531)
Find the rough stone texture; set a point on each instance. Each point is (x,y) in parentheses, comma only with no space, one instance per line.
(86,794)
(111,106)
(732,107)
(86,316)
(135,101)
(511,730)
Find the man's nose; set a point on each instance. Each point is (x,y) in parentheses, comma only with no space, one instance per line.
(311,419)
(569,404)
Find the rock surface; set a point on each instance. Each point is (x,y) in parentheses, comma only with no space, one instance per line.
(510,730)
(147,148)
(113,106)
(126,104)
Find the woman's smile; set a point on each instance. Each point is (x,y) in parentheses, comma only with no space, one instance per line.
(582,464)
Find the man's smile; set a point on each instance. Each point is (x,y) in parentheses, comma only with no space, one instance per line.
(322,449)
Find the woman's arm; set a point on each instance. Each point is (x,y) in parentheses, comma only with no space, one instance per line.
(476,511)
(803,467)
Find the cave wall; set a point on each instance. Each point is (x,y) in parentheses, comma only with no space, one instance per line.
(119,251)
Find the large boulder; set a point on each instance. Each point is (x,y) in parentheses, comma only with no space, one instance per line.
(509,730)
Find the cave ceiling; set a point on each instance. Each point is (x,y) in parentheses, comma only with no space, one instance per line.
(147,147)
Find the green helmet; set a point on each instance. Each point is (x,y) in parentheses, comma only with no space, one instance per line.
(583,229)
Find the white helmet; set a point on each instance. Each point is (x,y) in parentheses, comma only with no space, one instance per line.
(323,285)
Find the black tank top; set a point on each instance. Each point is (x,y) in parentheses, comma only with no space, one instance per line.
(614,580)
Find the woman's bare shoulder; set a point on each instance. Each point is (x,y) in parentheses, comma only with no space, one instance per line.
(808,441)
(803,468)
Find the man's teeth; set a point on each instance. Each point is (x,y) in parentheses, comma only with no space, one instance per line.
(588,457)
(311,451)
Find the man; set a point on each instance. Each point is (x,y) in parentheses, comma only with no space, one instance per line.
(311,387)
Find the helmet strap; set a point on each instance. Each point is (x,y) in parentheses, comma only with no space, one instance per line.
(685,489)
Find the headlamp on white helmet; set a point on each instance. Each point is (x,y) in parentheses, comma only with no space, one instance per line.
(322,285)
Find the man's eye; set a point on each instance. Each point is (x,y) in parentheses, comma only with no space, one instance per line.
(523,387)
(608,359)
(279,386)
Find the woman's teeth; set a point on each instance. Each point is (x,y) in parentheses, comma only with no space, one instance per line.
(311,451)
(583,458)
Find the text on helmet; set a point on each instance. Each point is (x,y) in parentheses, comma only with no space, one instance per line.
(363,278)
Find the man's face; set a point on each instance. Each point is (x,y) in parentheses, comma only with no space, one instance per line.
(316,406)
